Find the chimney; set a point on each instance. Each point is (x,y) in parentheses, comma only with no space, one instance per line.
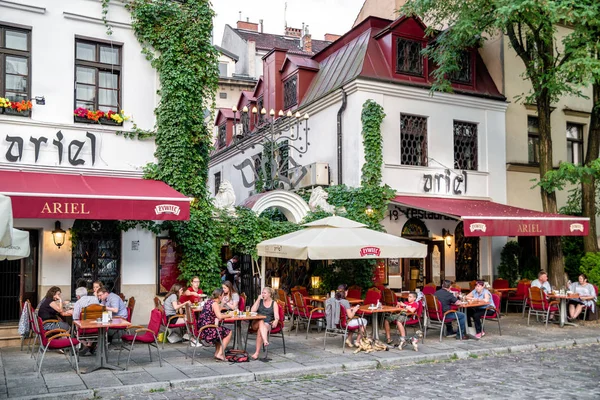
(247,25)
(330,37)
(260,21)
(293,32)
(305,41)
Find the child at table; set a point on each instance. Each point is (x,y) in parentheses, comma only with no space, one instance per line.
(400,318)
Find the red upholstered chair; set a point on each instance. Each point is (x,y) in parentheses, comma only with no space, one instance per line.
(436,316)
(429,289)
(305,314)
(273,332)
(539,305)
(194,331)
(493,313)
(372,297)
(519,298)
(139,334)
(169,324)
(354,292)
(341,328)
(414,318)
(55,339)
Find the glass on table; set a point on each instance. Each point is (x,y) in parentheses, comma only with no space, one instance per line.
(247,311)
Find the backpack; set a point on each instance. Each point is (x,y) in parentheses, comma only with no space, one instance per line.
(236,356)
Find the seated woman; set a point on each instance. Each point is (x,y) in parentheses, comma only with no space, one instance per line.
(264,305)
(587,297)
(475,313)
(173,305)
(211,315)
(51,307)
(340,295)
(231,298)
(193,292)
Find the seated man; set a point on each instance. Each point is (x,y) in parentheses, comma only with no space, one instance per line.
(83,300)
(401,317)
(113,303)
(447,298)
(542,282)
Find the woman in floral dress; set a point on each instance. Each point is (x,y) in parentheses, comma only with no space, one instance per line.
(211,315)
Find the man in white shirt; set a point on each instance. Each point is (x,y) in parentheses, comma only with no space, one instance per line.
(542,282)
(83,300)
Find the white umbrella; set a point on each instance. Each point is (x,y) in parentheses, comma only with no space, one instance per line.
(6,221)
(19,247)
(337,238)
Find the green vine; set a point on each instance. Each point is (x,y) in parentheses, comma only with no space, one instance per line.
(105,6)
(372,116)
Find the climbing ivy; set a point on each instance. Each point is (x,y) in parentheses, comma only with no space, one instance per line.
(176,39)
(371,117)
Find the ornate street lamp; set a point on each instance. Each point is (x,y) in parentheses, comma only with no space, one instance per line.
(270,133)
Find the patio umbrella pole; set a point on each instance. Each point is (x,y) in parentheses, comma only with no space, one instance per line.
(263,268)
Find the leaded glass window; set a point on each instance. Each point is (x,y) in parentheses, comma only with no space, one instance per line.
(463,74)
(217,182)
(465,145)
(222,136)
(466,255)
(290,91)
(533,140)
(415,227)
(413,140)
(408,56)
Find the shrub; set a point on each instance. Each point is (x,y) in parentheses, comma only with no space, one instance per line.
(590,265)
(509,263)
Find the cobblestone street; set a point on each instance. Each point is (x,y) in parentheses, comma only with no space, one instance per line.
(549,374)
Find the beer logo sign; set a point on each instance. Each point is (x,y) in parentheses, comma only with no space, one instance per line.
(370,251)
(167,209)
(477,226)
(576,227)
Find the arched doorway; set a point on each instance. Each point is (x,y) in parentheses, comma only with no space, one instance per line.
(417,272)
(290,204)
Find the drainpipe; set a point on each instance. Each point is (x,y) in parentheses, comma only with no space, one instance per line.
(339,137)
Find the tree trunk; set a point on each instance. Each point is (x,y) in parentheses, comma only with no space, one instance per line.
(556,266)
(588,189)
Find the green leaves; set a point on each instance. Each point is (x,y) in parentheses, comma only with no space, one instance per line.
(372,116)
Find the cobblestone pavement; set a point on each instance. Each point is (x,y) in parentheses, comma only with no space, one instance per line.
(552,374)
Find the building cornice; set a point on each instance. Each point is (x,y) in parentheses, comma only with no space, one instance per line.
(22,7)
(576,113)
(99,21)
(80,127)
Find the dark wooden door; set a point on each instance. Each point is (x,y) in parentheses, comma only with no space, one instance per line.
(18,282)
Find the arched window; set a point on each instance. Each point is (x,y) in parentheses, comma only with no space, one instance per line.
(466,255)
(415,228)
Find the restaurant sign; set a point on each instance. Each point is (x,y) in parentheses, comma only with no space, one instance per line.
(449,181)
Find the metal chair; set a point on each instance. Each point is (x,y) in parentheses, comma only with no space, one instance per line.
(540,306)
(436,316)
(306,314)
(493,313)
(340,328)
(142,335)
(55,339)
(273,332)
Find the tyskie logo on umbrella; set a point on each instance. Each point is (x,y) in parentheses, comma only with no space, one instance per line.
(370,251)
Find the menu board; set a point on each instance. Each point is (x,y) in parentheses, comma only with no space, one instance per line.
(380,274)
(169,257)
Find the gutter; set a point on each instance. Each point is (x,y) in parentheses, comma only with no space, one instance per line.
(339,137)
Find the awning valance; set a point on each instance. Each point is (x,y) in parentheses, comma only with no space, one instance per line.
(56,196)
(486,218)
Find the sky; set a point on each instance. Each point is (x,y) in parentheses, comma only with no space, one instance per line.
(321,16)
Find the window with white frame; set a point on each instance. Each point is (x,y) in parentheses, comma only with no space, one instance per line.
(574,143)
(15,57)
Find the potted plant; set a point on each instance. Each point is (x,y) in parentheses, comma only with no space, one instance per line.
(21,108)
(84,115)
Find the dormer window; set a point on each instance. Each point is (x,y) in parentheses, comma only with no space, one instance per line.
(222,136)
(290,91)
(463,75)
(408,57)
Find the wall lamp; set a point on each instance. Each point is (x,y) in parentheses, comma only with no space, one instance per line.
(369,210)
(447,237)
(275,283)
(58,235)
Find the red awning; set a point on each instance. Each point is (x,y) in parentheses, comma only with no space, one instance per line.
(56,196)
(486,218)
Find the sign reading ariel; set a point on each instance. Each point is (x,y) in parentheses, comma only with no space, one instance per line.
(510,226)
(449,181)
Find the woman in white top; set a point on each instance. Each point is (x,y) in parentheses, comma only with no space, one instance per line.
(587,297)
(231,299)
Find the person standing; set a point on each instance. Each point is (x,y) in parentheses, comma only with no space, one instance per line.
(232,272)
(447,298)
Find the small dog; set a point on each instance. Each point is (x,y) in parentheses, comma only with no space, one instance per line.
(412,340)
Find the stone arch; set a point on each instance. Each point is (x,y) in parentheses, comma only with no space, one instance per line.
(290,204)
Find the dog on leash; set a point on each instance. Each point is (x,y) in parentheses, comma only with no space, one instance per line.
(412,340)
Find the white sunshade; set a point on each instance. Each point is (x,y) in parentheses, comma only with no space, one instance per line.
(19,247)
(338,238)
(6,221)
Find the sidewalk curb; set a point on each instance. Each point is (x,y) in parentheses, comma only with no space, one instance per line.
(296,373)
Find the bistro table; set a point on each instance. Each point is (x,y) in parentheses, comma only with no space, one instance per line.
(322,299)
(462,307)
(101,353)
(366,309)
(237,322)
(563,306)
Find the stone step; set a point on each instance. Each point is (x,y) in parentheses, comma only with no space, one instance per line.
(9,336)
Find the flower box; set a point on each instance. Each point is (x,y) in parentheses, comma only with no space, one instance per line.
(12,111)
(101,121)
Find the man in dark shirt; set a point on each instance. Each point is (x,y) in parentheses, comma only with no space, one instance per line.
(447,298)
